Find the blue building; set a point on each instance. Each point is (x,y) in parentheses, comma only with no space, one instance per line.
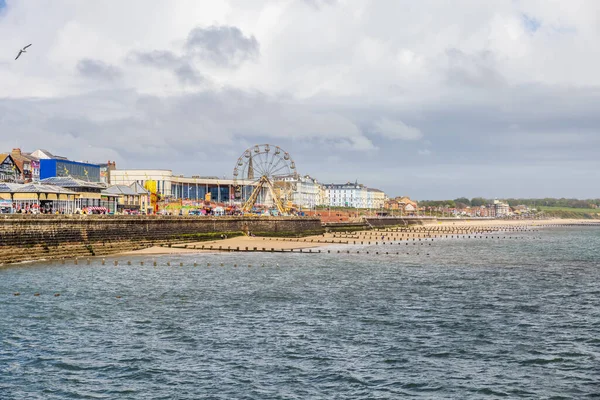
(64,168)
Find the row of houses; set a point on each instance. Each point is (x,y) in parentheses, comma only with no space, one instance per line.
(497,209)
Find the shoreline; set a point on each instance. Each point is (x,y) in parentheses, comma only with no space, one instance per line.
(442,229)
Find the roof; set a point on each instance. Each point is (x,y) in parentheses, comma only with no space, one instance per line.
(3,158)
(121,190)
(32,188)
(348,185)
(139,189)
(69,182)
(48,154)
(21,158)
(109,194)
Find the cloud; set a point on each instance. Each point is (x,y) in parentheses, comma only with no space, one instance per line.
(476,70)
(224,46)
(157,58)
(188,74)
(96,69)
(371,85)
(396,129)
(181,67)
(317,4)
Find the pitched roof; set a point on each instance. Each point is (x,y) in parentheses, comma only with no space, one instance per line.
(3,158)
(139,189)
(121,189)
(70,182)
(32,188)
(49,155)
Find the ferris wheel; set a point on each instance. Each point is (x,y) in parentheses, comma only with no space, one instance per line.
(268,174)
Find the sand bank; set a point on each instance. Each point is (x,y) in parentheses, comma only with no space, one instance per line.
(446,228)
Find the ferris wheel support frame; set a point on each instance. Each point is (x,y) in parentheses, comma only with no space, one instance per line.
(254,196)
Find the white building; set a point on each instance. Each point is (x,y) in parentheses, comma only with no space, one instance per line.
(180,187)
(502,209)
(346,195)
(375,198)
(307,191)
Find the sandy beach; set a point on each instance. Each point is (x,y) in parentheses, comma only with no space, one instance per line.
(439,230)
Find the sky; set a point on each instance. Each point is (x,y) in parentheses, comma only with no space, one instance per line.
(431,99)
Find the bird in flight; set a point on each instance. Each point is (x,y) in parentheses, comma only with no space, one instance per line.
(23,50)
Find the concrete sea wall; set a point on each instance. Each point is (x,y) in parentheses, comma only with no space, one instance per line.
(367,223)
(33,237)
(399,221)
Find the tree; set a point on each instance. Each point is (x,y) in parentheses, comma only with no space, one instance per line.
(478,201)
(463,200)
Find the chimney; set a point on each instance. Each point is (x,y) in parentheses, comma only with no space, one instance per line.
(16,152)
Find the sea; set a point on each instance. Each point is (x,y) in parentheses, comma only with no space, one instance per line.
(511,315)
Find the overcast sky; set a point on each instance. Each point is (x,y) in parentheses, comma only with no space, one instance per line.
(431,99)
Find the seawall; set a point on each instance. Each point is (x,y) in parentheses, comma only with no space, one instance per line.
(399,221)
(366,223)
(34,237)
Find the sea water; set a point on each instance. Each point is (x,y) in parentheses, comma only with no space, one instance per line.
(515,316)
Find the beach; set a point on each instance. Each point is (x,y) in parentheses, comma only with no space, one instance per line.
(441,229)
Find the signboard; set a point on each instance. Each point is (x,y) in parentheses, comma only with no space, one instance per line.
(151,187)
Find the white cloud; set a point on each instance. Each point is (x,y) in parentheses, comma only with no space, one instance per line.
(325,78)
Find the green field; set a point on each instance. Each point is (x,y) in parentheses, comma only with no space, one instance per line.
(570,209)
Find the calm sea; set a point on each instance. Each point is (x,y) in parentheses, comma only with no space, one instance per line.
(460,318)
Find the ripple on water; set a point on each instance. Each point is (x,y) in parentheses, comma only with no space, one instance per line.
(474,319)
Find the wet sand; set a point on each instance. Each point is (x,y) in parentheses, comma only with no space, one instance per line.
(441,229)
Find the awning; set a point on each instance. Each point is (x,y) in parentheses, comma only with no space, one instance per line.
(96,208)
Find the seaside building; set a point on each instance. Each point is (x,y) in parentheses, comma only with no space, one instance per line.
(322,196)
(346,195)
(402,203)
(307,192)
(171,186)
(28,165)
(501,209)
(90,195)
(105,169)
(42,154)
(353,195)
(132,198)
(36,198)
(51,168)
(375,198)
(9,171)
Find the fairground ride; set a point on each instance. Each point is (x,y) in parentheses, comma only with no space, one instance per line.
(270,173)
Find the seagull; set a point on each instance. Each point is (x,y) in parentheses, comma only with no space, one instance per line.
(23,50)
